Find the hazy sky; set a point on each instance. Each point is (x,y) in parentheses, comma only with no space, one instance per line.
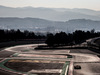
(89,4)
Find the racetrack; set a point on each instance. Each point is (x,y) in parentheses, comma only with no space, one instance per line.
(88,69)
(83,57)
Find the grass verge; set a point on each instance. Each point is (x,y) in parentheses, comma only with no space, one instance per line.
(65,68)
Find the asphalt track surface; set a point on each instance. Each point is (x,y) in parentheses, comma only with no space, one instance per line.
(83,57)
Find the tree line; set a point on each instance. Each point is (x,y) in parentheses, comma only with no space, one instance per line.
(62,38)
(14,35)
(58,39)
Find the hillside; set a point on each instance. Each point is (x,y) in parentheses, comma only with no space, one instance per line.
(54,14)
(41,25)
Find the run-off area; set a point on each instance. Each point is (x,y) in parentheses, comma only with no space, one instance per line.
(37,67)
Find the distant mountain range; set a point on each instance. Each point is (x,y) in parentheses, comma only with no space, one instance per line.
(42,25)
(53,14)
